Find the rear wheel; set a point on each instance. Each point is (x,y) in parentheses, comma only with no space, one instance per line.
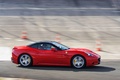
(78,62)
(25,60)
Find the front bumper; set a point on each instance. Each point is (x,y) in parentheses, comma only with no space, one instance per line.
(93,61)
(99,60)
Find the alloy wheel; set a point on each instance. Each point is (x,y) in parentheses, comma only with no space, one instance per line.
(25,60)
(78,62)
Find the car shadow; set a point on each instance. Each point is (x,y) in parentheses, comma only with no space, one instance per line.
(91,69)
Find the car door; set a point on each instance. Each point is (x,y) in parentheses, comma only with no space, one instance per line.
(45,54)
(49,55)
(61,57)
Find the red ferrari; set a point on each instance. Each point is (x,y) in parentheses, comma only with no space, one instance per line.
(53,54)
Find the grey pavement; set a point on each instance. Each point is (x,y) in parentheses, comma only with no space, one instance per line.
(78,23)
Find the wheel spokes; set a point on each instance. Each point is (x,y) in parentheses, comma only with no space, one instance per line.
(78,62)
(25,60)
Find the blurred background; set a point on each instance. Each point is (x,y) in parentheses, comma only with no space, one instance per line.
(76,23)
(92,24)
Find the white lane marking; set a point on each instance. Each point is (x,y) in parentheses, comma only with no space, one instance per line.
(105,55)
(20,40)
(7,38)
(6,78)
(31,42)
(5,53)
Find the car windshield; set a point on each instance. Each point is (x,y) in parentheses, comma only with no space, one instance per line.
(61,46)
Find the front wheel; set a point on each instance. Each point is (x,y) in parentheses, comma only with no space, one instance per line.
(78,62)
(25,60)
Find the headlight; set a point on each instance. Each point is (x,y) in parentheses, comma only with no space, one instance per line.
(89,54)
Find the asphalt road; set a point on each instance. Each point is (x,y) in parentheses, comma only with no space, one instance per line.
(107,70)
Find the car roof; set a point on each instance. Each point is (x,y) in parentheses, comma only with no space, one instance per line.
(45,41)
(42,42)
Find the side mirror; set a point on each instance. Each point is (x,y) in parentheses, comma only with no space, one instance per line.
(53,49)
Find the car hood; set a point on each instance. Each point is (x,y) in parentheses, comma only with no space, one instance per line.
(82,50)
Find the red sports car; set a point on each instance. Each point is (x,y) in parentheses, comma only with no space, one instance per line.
(53,54)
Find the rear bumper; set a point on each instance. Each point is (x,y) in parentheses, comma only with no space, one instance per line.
(14,59)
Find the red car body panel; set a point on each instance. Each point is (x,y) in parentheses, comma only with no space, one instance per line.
(56,58)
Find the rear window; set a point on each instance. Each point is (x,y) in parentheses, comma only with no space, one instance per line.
(33,46)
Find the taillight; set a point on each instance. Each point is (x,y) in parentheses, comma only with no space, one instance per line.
(14,48)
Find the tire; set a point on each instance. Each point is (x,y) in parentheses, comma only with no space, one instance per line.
(25,60)
(78,62)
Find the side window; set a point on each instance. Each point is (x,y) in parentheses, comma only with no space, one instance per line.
(41,46)
(34,46)
(45,46)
